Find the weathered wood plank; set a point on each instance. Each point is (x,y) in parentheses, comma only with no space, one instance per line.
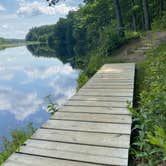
(89,126)
(118,65)
(96,86)
(114,156)
(103,83)
(31,160)
(107,90)
(106,110)
(106,93)
(102,98)
(92,117)
(96,103)
(98,139)
(122,75)
(108,80)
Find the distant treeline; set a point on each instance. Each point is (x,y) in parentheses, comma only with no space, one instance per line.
(100,25)
(3,40)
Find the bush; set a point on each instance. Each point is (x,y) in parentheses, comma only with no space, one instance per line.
(159,23)
(149,147)
(95,62)
(18,137)
(83,78)
(110,40)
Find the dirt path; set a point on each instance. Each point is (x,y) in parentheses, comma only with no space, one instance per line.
(135,50)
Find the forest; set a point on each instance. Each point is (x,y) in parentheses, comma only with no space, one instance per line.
(91,34)
(100,25)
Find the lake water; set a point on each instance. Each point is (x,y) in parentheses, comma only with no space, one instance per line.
(28,83)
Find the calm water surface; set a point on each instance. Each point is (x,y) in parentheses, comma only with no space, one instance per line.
(27,83)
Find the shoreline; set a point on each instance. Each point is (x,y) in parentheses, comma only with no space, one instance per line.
(8,45)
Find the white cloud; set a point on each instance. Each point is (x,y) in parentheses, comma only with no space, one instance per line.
(8,76)
(4,17)
(5,26)
(18,103)
(2,8)
(49,71)
(37,8)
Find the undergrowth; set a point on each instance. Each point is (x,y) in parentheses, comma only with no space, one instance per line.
(18,137)
(149,119)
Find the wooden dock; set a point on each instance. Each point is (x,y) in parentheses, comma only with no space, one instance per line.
(92,128)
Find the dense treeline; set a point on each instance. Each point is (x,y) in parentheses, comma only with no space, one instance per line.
(40,34)
(99,24)
(4,41)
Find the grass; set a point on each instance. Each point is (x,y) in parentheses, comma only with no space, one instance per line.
(149,116)
(18,137)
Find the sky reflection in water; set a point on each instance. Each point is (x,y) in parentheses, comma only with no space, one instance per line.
(25,81)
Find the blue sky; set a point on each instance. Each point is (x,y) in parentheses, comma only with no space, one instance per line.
(18,16)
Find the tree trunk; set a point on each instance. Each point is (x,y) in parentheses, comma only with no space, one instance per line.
(119,18)
(146,14)
(161,7)
(133,16)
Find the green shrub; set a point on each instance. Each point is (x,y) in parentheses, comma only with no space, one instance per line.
(18,137)
(149,145)
(159,23)
(110,40)
(83,78)
(95,62)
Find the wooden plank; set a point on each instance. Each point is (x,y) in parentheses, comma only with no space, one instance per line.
(112,77)
(114,156)
(115,77)
(94,86)
(100,76)
(107,80)
(92,117)
(93,92)
(116,68)
(118,65)
(32,160)
(98,139)
(89,126)
(107,90)
(122,74)
(101,98)
(109,83)
(105,110)
(96,103)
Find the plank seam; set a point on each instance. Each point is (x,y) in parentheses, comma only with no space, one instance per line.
(82,131)
(66,142)
(96,113)
(88,121)
(45,156)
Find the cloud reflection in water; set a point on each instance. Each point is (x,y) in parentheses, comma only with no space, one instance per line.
(25,81)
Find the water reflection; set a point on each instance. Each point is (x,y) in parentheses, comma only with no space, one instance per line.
(42,51)
(25,81)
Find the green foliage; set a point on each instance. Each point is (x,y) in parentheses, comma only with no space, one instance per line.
(95,62)
(110,41)
(52,108)
(2,40)
(40,34)
(83,78)
(149,147)
(18,137)
(159,23)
